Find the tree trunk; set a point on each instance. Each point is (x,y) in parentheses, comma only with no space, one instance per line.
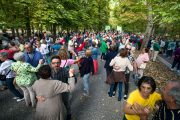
(13,33)
(17,32)
(54,32)
(33,30)
(22,32)
(41,28)
(149,26)
(28,28)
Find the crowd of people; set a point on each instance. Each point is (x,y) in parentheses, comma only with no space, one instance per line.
(41,67)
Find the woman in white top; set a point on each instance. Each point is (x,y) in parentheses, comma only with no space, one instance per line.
(42,51)
(119,75)
(44,45)
(95,40)
(5,70)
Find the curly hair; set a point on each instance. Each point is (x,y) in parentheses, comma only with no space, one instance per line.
(63,54)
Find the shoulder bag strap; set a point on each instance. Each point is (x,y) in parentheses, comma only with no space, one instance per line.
(18,68)
(8,72)
(65,64)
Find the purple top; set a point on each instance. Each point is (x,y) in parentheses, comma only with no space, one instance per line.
(177,52)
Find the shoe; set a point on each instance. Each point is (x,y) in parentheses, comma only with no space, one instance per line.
(106,82)
(119,100)
(103,60)
(110,96)
(125,97)
(114,92)
(178,71)
(19,100)
(172,69)
(68,117)
(15,98)
(85,94)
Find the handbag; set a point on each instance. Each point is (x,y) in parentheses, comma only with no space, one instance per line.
(14,81)
(3,77)
(142,66)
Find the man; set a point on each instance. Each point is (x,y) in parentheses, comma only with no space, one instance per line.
(61,74)
(131,58)
(56,47)
(156,50)
(32,56)
(45,36)
(170,104)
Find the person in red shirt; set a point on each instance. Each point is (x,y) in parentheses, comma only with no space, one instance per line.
(5,47)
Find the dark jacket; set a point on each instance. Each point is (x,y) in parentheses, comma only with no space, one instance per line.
(108,57)
(177,52)
(87,66)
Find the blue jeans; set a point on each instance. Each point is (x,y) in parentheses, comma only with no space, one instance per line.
(124,118)
(134,45)
(176,62)
(120,90)
(9,82)
(86,78)
(169,53)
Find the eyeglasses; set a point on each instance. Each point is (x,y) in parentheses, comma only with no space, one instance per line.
(56,63)
(144,88)
(128,49)
(28,48)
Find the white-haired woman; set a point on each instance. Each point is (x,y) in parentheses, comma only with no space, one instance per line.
(25,76)
(5,70)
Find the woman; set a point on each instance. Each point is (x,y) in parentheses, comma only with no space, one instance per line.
(144,95)
(94,56)
(52,108)
(151,53)
(108,57)
(65,62)
(141,61)
(122,45)
(13,46)
(95,40)
(44,45)
(171,47)
(118,76)
(26,76)
(5,70)
(104,48)
(87,68)
(70,47)
(176,60)
(21,45)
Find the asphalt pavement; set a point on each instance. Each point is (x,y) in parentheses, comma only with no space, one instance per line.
(97,107)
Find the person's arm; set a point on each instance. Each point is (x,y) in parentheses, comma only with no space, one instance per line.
(129,66)
(112,62)
(128,109)
(14,51)
(3,67)
(80,47)
(98,52)
(135,68)
(30,68)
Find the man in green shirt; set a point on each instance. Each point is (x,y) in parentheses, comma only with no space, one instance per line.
(156,50)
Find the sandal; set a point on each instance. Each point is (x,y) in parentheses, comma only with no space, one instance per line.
(4,87)
(85,94)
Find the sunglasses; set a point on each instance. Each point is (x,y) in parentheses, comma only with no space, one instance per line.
(128,49)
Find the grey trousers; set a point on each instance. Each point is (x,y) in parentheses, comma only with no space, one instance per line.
(141,72)
(66,101)
(28,94)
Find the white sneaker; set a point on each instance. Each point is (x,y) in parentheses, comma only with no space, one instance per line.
(19,100)
(178,71)
(15,98)
(172,69)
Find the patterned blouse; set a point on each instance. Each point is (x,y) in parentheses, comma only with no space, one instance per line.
(21,47)
(26,72)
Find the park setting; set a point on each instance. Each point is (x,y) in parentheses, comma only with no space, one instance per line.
(90,60)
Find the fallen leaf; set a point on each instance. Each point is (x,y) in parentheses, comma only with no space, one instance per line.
(116,110)
(10,109)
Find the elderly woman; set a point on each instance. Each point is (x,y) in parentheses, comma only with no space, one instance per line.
(94,55)
(104,48)
(108,57)
(25,76)
(144,95)
(5,69)
(52,108)
(141,61)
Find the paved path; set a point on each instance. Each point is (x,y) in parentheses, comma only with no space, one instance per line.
(98,107)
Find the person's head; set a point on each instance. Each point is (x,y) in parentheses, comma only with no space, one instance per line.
(55,62)
(44,42)
(130,40)
(93,43)
(123,52)
(145,50)
(5,46)
(146,86)
(44,34)
(17,38)
(20,42)
(133,50)
(113,41)
(124,41)
(45,72)
(4,56)
(104,39)
(128,48)
(113,47)
(171,92)
(88,53)
(38,44)
(28,46)
(63,54)
(19,56)
(11,44)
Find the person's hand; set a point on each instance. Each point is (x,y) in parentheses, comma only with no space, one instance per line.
(108,43)
(15,73)
(39,98)
(136,74)
(56,50)
(116,67)
(41,61)
(140,111)
(177,55)
(71,72)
